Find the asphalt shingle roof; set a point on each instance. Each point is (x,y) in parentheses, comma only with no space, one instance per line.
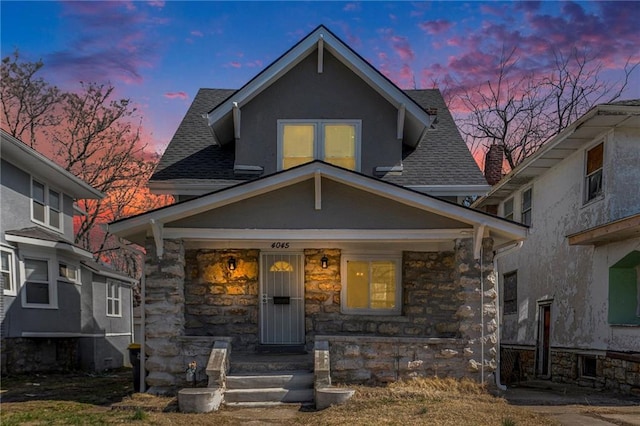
(194,156)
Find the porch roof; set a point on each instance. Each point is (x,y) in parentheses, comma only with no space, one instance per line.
(460,221)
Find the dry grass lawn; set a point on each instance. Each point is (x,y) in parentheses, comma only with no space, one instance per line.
(107,399)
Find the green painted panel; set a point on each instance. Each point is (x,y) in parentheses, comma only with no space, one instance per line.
(623,296)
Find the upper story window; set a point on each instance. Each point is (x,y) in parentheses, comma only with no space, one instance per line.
(114,300)
(334,141)
(371,285)
(46,205)
(39,289)
(507,209)
(7,272)
(593,172)
(527,199)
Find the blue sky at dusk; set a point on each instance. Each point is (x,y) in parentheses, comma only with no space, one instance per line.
(159,53)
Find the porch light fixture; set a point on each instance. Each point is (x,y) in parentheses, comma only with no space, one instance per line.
(324,262)
(232,264)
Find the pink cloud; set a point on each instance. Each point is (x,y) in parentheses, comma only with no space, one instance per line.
(351,7)
(176,95)
(235,64)
(402,48)
(196,33)
(435,27)
(157,3)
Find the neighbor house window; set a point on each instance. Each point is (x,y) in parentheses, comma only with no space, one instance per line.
(114,300)
(510,297)
(68,272)
(6,269)
(371,284)
(526,206)
(593,178)
(587,365)
(46,205)
(508,209)
(334,141)
(39,291)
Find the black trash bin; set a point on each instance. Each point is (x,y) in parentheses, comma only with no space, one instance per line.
(134,358)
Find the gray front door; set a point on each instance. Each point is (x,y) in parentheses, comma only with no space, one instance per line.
(282,298)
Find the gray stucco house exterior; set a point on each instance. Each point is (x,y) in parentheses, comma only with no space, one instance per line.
(318,207)
(571,293)
(60,309)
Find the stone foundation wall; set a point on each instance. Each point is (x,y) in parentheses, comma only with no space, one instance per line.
(376,360)
(618,372)
(26,355)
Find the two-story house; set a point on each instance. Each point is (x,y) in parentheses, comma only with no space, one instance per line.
(318,209)
(571,294)
(60,309)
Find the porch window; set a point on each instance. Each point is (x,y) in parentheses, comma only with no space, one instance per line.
(114,299)
(593,176)
(371,285)
(337,142)
(6,269)
(39,290)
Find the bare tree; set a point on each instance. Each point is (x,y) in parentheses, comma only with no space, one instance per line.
(520,111)
(97,138)
(28,102)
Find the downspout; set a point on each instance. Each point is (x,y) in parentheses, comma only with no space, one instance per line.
(143,295)
(496,256)
(133,321)
(481,318)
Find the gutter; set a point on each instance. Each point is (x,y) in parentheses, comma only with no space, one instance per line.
(507,250)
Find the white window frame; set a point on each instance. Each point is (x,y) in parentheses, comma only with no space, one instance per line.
(114,297)
(390,257)
(72,267)
(47,206)
(319,137)
(11,271)
(522,209)
(504,209)
(585,180)
(52,282)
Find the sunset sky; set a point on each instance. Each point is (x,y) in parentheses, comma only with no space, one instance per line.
(159,53)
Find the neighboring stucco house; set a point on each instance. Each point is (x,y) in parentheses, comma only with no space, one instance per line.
(571,294)
(61,310)
(308,217)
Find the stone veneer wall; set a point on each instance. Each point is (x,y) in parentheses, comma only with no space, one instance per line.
(442,298)
(30,355)
(220,302)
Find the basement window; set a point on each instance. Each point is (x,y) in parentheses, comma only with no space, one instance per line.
(587,366)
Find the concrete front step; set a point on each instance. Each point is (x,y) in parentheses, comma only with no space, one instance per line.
(293,380)
(271,395)
(265,363)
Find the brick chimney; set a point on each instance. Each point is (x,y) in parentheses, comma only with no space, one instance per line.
(493,164)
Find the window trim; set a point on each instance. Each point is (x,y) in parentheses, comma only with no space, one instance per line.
(530,209)
(47,206)
(585,177)
(12,290)
(318,125)
(52,282)
(391,257)
(111,299)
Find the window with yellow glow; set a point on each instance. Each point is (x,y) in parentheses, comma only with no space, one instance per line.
(337,142)
(371,285)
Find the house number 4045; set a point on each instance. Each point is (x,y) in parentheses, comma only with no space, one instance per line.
(279,245)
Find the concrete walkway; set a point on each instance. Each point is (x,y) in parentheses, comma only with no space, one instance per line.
(576,406)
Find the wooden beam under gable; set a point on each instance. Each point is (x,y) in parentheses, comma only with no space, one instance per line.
(320,54)
(236,121)
(157,230)
(400,123)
